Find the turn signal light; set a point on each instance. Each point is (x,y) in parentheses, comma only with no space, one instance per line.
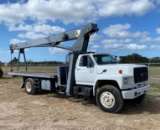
(120,71)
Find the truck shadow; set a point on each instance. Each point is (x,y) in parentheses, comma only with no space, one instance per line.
(151,105)
(83,100)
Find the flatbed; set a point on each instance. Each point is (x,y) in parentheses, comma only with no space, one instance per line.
(32,74)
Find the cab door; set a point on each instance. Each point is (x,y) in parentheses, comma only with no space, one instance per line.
(85,71)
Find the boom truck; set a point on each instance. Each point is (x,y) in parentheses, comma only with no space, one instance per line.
(90,75)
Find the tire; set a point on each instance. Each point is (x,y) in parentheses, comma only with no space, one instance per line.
(139,99)
(109,99)
(1,73)
(29,87)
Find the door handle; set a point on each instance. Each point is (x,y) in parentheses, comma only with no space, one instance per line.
(78,69)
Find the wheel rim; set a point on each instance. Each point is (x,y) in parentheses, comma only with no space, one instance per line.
(107,99)
(28,87)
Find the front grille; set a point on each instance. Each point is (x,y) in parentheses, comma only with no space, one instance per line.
(140,74)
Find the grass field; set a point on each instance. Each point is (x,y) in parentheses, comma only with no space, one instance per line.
(154,70)
(33,69)
(154,80)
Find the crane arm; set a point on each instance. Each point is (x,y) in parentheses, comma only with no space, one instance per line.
(82,35)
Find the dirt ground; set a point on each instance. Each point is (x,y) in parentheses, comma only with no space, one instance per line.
(48,111)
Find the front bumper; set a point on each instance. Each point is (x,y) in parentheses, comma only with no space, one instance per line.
(131,94)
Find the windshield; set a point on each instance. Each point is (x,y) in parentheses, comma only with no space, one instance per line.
(104,59)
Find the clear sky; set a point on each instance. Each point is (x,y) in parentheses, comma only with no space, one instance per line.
(126,26)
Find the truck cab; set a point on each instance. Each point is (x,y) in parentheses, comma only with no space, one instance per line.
(91,65)
(106,77)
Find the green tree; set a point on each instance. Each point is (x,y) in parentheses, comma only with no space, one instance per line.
(14,60)
(133,58)
(155,60)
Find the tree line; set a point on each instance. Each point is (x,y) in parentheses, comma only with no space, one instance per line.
(15,60)
(136,58)
(132,58)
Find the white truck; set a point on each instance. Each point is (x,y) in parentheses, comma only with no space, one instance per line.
(90,75)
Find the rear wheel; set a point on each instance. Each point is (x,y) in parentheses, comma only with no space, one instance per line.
(109,99)
(1,73)
(29,86)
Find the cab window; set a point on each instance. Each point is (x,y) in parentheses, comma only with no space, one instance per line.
(86,61)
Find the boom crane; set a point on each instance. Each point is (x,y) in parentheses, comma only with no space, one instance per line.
(80,46)
(91,75)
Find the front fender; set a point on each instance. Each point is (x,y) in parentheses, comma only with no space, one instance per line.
(119,78)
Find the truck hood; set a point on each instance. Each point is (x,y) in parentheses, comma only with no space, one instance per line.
(114,68)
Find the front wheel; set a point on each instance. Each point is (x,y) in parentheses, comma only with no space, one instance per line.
(29,86)
(109,99)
